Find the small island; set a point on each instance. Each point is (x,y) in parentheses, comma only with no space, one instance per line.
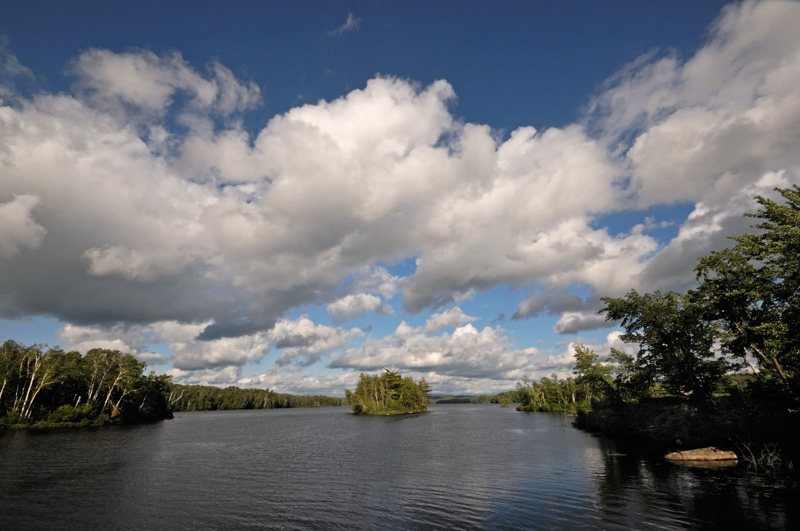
(388,394)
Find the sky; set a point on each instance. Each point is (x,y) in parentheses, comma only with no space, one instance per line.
(286,194)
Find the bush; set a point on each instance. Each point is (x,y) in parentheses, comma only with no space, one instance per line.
(65,413)
(13,417)
(101,420)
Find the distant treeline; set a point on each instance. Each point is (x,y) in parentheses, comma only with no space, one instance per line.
(210,398)
(507,397)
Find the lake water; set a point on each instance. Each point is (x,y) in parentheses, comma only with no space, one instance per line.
(458,466)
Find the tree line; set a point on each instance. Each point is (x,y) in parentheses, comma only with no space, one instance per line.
(505,398)
(210,398)
(43,386)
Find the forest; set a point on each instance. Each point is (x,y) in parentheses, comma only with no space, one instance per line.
(717,365)
(388,394)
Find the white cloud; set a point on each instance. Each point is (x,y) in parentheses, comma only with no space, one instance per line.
(351,306)
(708,125)
(149,82)
(467,352)
(191,353)
(220,377)
(291,380)
(708,227)
(305,342)
(126,339)
(452,317)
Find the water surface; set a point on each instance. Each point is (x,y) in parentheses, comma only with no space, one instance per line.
(458,466)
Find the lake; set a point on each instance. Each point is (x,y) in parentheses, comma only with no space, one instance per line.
(459,466)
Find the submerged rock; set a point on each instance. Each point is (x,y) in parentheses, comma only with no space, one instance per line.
(702,454)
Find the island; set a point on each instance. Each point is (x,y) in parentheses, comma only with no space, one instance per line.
(389,393)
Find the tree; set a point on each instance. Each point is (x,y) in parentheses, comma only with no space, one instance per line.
(675,339)
(593,377)
(10,354)
(42,371)
(753,291)
(632,379)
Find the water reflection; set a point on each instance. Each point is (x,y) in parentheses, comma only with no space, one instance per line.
(693,497)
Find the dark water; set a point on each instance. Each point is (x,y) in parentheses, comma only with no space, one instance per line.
(455,467)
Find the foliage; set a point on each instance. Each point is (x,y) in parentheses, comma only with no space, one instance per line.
(50,386)
(552,394)
(746,306)
(387,394)
(675,339)
(43,387)
(593,378)
(753,291)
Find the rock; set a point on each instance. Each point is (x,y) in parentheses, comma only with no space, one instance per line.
(702,454)
(727,463)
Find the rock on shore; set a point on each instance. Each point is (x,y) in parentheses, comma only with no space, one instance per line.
(702,454)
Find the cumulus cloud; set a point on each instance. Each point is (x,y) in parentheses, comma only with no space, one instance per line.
(351,306)
(20,230)
(376,280)
(467,352)
(220,377)
(191,354)
(707,227)
(305,342)
(708,125)
(295,381)
(149,82)
(452,317)
(142,206)
(127,339)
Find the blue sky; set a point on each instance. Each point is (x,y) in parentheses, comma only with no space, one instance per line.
(284,194)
